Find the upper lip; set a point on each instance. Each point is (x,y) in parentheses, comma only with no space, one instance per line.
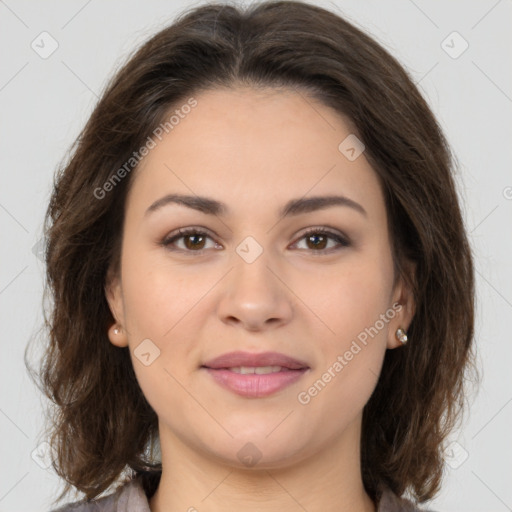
(239,358)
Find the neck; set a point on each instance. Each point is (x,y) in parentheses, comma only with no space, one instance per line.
(329,480)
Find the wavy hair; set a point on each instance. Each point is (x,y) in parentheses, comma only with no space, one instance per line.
(99,422)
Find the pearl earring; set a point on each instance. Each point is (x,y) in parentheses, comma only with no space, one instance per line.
(401,336)
(117,330)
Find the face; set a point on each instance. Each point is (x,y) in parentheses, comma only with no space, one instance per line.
(262,267)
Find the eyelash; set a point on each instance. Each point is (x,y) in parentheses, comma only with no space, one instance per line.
(169,240)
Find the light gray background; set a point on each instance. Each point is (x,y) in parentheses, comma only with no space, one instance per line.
(45,102)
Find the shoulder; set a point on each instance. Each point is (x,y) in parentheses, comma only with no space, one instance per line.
(390,502)
(129,497)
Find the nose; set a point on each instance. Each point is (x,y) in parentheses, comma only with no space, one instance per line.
(255,297)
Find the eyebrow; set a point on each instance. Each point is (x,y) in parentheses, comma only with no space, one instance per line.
(293,207)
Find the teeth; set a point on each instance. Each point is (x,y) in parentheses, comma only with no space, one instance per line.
(259,370)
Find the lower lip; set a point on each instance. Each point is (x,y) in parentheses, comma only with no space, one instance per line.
(253,385)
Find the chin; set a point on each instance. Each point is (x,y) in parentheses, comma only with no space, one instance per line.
(259,452)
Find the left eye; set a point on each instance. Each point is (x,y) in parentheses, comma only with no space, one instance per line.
(194,240)
(318,239)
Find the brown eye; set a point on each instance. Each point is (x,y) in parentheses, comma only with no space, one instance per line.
(193,240)
(317,240)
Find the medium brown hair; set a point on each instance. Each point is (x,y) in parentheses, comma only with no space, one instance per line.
(100,424)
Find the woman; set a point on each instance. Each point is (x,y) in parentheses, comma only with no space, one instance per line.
(259,268)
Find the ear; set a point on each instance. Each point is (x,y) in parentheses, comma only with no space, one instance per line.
(403,304)
(114,294)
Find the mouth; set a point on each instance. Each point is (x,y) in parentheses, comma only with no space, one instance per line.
(258,370)
(255,375)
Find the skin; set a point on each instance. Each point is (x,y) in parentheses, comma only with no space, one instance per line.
(255,150)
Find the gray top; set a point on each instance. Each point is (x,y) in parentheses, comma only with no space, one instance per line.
(130,497)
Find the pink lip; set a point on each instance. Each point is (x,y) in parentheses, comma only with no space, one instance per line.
(253,385)
(239,358)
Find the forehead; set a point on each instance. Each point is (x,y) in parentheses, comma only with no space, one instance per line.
(254,147)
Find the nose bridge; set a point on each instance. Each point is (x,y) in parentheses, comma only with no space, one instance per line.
(253,295)
(251,274)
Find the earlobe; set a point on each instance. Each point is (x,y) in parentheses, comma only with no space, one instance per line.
(117,336)
(398,326)
(113,293)
(401,336)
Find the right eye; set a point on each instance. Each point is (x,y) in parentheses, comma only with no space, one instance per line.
(193,239)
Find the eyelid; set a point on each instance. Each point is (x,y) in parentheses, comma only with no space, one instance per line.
(181,232)
(342,239)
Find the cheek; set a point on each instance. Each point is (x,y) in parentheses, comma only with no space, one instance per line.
(156,293)
(357,310)
(159,306)
(355,297)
